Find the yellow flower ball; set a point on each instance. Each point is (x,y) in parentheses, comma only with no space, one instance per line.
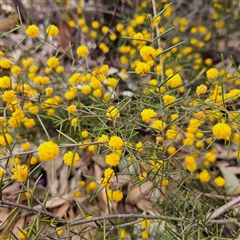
(148,115)
(204,176)
(82,51)
(112,112)
(47,151)
(32,31)
(71,159)
(202,89)
(53,62)
(52,31)
(115,142)
(142,68)
(212,73)
(5,63)
(5,82)
(20,173)
(222,131)
(9,96)
(26,146)
(219,181)
(112,159)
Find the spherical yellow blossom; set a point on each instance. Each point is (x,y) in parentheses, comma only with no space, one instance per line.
(189,159)
(95,24)
(14,122)
(71,108)
(32,31)
(148,115)
(33,160)
(172,134)
(81,183)
(204,176)
(52,31)
(47,151)
(115,142)
(112,112)
(74,122)
(142,68)
(71,159)
(84,134)
(53,62)
(112,82)
(137,41)
(75,78)
(117,195)
(5,82)
(210,157)
(15,70)
(168,99)
(112,159)
(113,36)
(82,51)
(171,150)
(147,53)
(86,89)
(158,125)
(9,96)
(119,27)
(95,83)
(59,69)
(69,95)
(174,81)
(5,63)
(144,234)
(91,186)
(219,181)
(59,231)
(122,233)
(97,93)
(29,122)
(212,73)
(105,29)
(221,131)
(109,173)
(165,182)
(20,173)
(85,29)
(199,144)
(26,146)
(103,138)
(26,62)
(202,89)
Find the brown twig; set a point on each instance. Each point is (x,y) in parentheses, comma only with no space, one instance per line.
(5,204)
(223,208)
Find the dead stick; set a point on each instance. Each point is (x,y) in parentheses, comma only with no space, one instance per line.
(223,208)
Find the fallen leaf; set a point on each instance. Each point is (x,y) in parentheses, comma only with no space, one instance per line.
(232,185)
(137,192)
(144,204)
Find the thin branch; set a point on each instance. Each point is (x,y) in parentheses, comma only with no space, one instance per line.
(223,208)
(5,204)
